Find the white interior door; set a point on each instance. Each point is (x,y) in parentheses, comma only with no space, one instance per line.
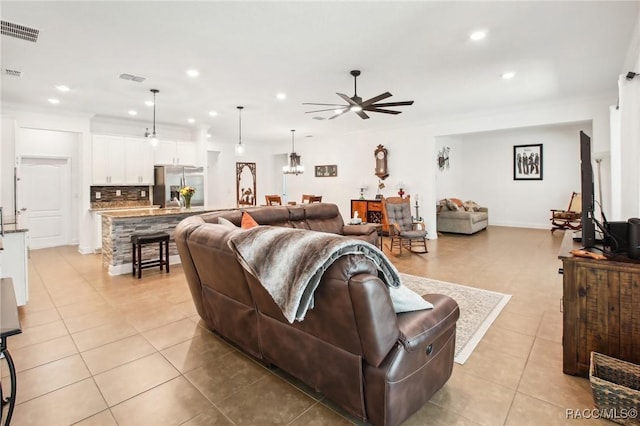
(44,188)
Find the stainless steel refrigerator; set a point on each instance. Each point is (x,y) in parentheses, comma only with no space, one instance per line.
(168,180)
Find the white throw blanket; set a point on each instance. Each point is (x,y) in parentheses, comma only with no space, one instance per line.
(289,263)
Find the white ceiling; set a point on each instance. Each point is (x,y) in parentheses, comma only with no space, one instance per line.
(247,52)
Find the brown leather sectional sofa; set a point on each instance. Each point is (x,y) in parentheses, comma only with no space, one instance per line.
(377,365)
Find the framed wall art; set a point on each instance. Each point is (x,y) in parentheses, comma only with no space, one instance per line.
(527,162)
(329,170)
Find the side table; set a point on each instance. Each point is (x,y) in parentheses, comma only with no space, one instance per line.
(9,326)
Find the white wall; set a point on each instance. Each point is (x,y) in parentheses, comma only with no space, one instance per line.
(481,169)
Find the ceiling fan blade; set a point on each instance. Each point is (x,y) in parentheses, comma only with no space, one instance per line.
(328,109)
(375,99)
(338,114)
(347,99)
(388,104)
(362,115)
(308,103)
(385,111)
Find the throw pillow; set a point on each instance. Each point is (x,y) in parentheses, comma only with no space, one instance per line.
(471,206)
(226,222)
(457,201)
(451,205)
(247,221)
(406,300)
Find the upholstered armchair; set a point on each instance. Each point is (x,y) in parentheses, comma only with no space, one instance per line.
(402,229)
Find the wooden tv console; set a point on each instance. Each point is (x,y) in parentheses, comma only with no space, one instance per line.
(599,297)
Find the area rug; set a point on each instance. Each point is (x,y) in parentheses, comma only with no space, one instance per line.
(478,309)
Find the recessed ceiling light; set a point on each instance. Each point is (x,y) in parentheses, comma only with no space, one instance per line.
(63,88)
(191,120)
(213,113)
(193,73)
(508,75)
(132,112)
(478,35)
(53,101)
(281,96)
(148,103)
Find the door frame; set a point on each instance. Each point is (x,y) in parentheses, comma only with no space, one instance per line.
(66,201)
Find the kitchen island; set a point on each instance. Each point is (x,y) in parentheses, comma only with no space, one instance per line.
(119,225)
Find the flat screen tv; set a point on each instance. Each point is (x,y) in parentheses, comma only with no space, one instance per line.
(588,202)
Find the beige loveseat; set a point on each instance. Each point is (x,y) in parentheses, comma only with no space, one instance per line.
(461,218)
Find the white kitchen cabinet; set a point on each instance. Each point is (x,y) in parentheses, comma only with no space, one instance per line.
(176,153)
(14,263)
(138,161)
(119,160)
(108,160)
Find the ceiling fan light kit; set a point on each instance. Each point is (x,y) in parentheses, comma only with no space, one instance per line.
(357,105)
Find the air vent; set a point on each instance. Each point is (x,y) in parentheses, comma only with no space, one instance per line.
(11,73)
(132,77)
(19,31)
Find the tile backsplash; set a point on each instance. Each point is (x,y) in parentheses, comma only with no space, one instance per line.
(120,196)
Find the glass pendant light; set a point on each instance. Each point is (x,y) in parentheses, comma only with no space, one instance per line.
(153,136)
(294,167)
(239,146)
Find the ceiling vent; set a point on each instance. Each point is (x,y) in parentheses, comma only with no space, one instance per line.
(132,77)
(11,73)
(19,31)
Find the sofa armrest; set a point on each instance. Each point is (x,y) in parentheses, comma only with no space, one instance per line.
(419,328)
(362,229)
(483,209)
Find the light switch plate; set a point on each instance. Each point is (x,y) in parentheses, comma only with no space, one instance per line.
(118,193)
(98,195)
(143,193)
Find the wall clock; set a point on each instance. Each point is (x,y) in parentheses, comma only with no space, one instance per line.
(381,162)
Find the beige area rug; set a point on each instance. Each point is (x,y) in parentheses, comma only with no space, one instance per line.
(478,309)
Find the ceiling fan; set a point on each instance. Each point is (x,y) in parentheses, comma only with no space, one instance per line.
(357,105)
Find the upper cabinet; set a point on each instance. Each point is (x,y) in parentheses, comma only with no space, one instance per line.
(108,160)
(176,153)
(122,161)
(138,161)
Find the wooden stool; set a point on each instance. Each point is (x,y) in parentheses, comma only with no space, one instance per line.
(138,240)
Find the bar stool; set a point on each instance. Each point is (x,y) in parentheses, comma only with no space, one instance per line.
(138,240)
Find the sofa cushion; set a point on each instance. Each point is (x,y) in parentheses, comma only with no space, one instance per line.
(479,217)
(226,222)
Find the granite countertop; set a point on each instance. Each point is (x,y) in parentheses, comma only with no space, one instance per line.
(11,228)
(112,208)
(152,212)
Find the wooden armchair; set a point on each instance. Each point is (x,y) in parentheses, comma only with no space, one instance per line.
(571,218)
(402,229)
(307,198)
(273,200)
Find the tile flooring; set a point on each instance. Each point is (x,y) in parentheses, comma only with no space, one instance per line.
(101,350)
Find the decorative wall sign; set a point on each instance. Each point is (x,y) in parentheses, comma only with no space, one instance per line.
(246,184)
(527,162)
(443,158)
(329,170)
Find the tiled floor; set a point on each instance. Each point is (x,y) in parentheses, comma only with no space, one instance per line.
(101,350)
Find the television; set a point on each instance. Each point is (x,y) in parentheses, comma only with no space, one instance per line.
(588,201)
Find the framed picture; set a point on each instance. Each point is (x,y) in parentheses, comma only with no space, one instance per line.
(527,162)
(327,170)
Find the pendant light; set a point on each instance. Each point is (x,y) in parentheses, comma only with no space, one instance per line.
(154,138)
(294,167)
(239,146)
